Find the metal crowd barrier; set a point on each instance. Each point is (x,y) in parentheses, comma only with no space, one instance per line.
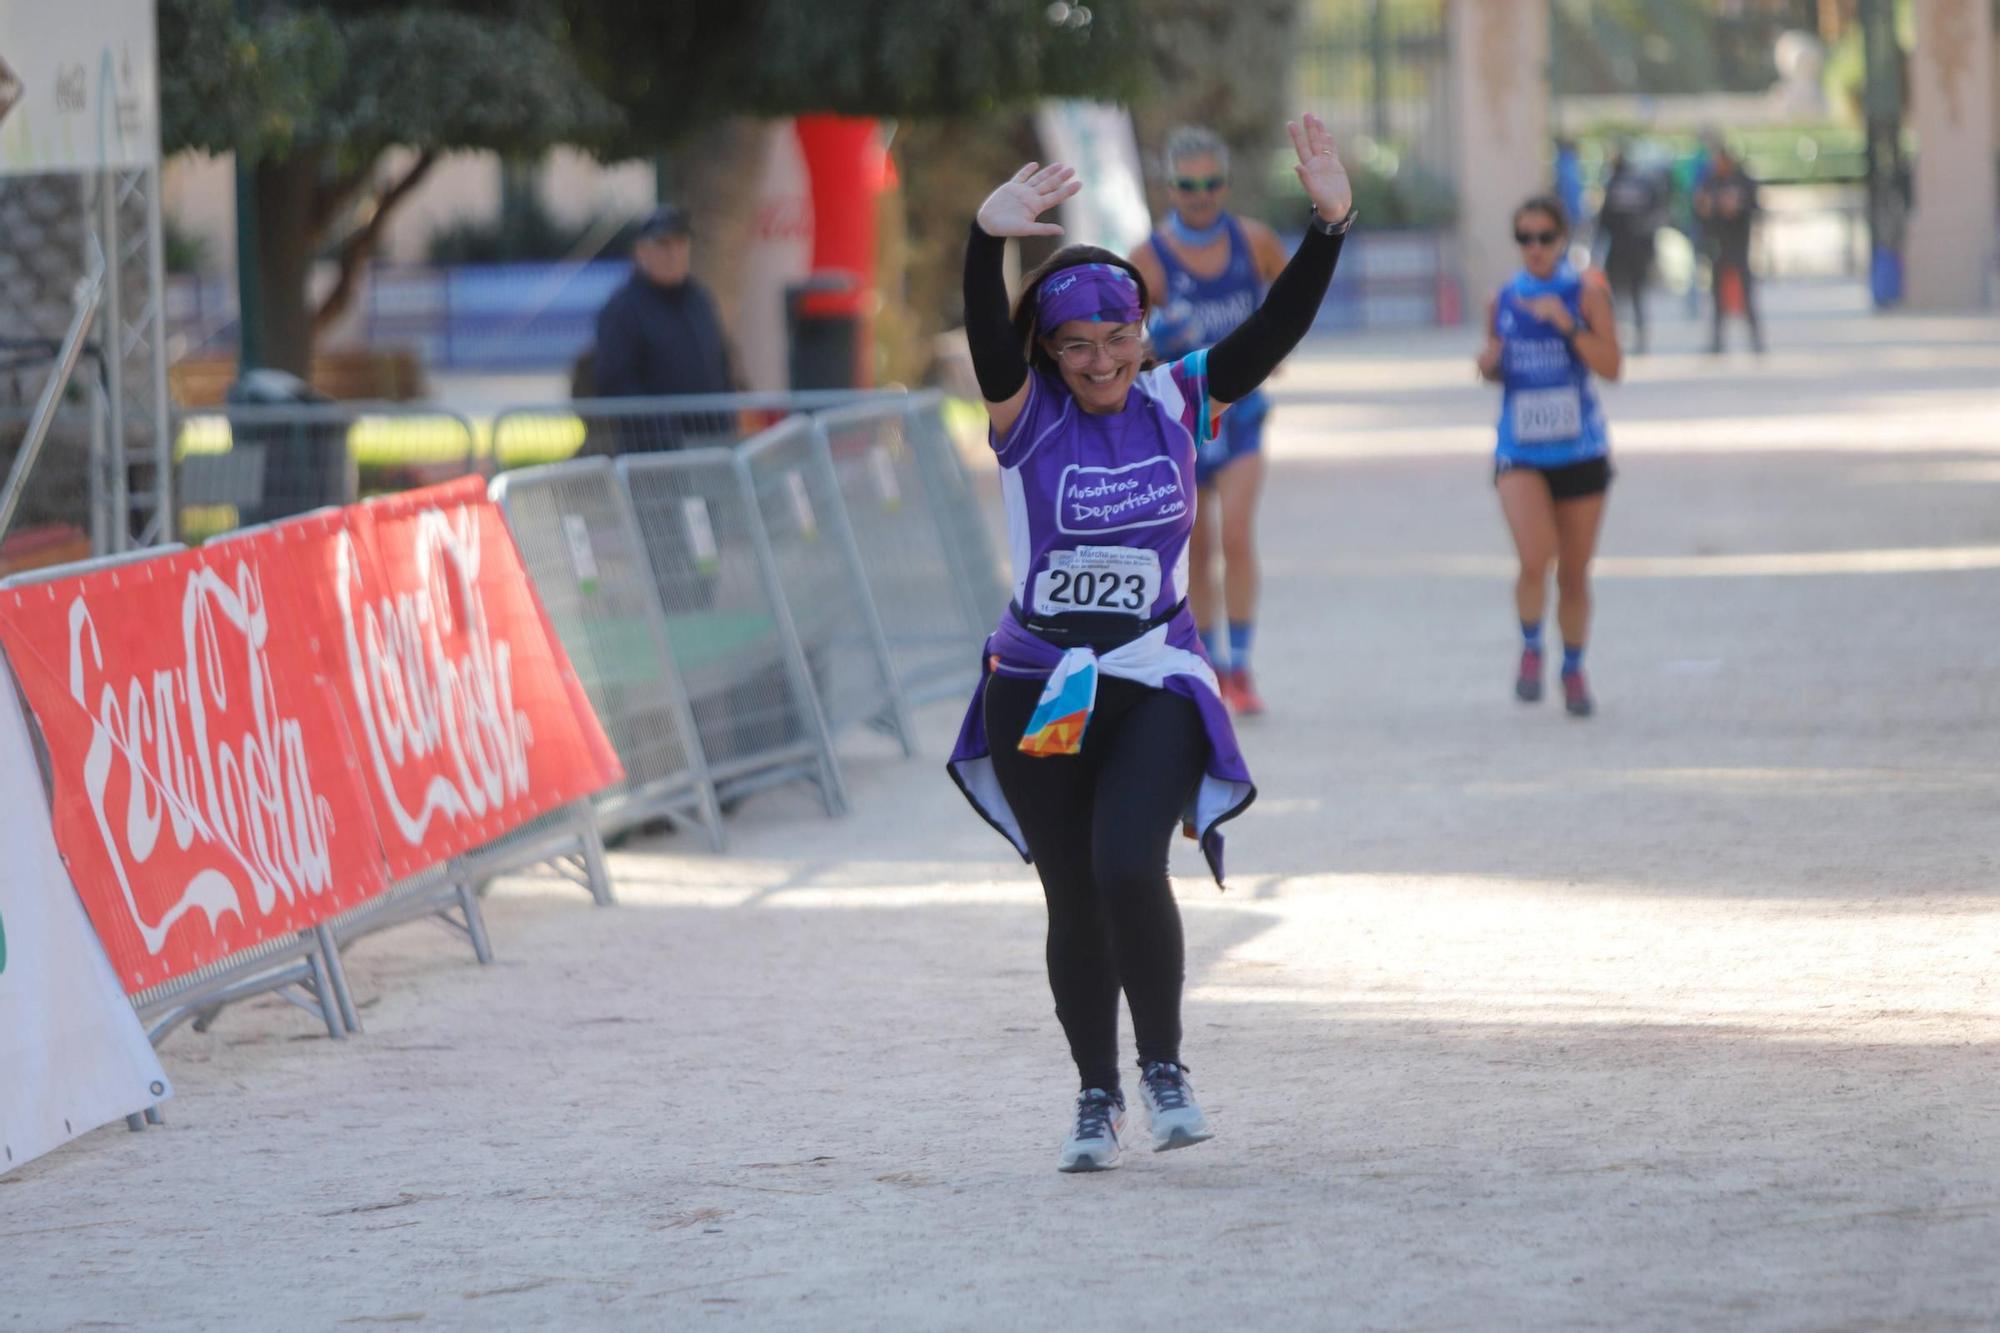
(811,552)
(615,427)
(581,544)
(241,466)
(905,516)
(961,519)
(729,626)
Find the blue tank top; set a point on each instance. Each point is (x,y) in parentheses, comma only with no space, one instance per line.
(1549,413)
(1196,312)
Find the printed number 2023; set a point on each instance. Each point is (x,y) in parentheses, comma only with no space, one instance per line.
(1110,592)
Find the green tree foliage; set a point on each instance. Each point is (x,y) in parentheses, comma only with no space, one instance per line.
(314,97)
(675,67)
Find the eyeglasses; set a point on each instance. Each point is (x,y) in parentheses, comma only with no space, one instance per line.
(1119,347)
(1537,237)
(1199,184)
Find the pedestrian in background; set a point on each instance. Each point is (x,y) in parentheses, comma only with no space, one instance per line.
(1627,219)
(1727,206)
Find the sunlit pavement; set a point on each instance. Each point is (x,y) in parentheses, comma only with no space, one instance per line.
(1684,1016)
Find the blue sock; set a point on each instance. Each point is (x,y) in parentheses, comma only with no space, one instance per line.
(1211,643)
(1239,644)
(1531,635)
(1572,658)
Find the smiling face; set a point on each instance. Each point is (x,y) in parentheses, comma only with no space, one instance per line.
(1198,186)
(1541,239)
(1098,361)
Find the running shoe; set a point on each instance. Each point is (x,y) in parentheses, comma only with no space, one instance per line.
(1528,681)
(1092,1144)
(1576,695)
(1240,693)
(1170,1107)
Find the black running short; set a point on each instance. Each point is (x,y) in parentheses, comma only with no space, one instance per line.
(1573,481)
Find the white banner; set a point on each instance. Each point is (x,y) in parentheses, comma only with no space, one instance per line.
(79,86)
(1098,140)
(72,1053)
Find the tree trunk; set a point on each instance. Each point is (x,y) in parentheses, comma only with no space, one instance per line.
(287,235)
(716,175)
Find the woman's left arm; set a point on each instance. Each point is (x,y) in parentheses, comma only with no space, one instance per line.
(1595,340)
(1244,359)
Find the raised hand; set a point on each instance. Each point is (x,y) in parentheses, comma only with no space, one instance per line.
(1012,209)
(1319,168)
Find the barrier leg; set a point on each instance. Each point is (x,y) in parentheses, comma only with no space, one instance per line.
(338,974)
(136,1123)
(708,810)
(153,1116)
(475,921)
(322,990)
(596,872)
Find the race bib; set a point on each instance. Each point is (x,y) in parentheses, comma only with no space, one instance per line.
(1121,579)
(1542,416)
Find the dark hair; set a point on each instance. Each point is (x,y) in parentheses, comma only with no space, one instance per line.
(1026,330)
(1545,203)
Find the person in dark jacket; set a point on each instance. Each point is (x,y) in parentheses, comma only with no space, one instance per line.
(1727,205)
(1627,221)
(660,335)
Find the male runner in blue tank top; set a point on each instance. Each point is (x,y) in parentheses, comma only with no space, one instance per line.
(1209,269)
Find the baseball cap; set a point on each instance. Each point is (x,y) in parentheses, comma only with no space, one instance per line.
(666,220)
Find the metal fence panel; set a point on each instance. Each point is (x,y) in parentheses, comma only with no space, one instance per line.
(582,548)
(811,552)
(730,632)
(927,620)
(614,427)
(968,541)
(239,466)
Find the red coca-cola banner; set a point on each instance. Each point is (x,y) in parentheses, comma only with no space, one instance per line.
(248,739)
(204,794)
(466,713)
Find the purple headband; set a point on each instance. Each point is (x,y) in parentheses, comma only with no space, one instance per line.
(1102,292)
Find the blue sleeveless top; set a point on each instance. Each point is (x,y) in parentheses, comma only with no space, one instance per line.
(1549,413)
(1196,312)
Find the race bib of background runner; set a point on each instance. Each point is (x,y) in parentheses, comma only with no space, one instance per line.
(1545,415)
(1121,579)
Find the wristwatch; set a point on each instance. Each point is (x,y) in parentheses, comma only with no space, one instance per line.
(1325,228)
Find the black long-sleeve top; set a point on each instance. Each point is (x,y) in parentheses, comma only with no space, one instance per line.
(1236,365)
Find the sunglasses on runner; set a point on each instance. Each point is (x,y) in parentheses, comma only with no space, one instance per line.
(1537,237)
(1199,184)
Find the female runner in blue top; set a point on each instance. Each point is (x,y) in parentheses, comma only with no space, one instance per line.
(1548,331)
(1096,728)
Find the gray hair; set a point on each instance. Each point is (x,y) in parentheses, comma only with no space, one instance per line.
(1196,141)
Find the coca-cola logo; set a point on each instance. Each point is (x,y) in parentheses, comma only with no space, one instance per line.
(206,753)
(434,691)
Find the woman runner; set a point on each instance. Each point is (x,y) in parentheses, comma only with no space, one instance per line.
(1549,331)
(1096,726)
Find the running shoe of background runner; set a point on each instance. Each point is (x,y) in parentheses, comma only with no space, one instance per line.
(1092,1144)
(1528,680)
(1176,1120)
(1239,692)
(1576,695)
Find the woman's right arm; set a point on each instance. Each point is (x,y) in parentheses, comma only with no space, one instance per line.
(1010,210)
(1489,356)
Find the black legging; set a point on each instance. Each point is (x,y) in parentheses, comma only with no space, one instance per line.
(1098,825)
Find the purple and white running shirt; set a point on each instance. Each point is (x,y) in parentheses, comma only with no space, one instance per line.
(1099,507)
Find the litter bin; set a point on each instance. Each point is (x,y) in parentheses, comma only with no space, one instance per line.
(295,440)
(823,326)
